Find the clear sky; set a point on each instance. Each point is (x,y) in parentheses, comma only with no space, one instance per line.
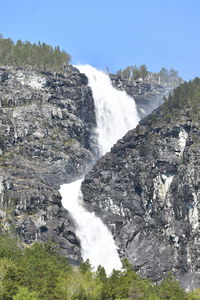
(112,33)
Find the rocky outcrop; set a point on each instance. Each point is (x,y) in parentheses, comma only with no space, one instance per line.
(46,139)
(147,95)
(147,190)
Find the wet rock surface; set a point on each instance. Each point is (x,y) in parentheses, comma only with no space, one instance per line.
(46,139)
(147,191)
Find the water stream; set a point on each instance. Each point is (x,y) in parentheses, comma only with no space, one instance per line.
(116,114)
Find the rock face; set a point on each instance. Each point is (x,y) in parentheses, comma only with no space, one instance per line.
(147,95)
(46,139)
(147,190)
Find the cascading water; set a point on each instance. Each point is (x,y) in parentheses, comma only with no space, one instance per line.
(116,114)
(115,111)
(96,241)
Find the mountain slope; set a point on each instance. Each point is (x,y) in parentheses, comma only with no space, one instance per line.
(147,190)
(46,139)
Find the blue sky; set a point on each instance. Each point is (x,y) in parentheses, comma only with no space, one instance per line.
(112,33)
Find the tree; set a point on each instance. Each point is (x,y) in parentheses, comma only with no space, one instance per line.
(164,74)
(24,294)
(40,268)
(173,73)
(85,266)
(170,289)
(136,72)
(39,55)
(143,71)
(126,73)
(101,274)
(9,248)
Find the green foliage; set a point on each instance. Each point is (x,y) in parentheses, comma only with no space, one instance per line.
(163,76)
(170,289)
(24,294)
(79,286)
(40,272)
(187,96)
(143,71)
(9,247)
(133,72)
(194,295)
(45,265)
(36,268)
(40,56)
(123,284)
(101,274)
(85,267)
(8,278)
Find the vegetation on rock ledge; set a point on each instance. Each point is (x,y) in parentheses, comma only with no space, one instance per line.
(132,73)
(40,56)
(186,96)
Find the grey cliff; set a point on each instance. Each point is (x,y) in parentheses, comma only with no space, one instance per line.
(147,190)
(46,139)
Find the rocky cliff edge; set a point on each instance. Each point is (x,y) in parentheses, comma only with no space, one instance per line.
(147,190)
(46,139)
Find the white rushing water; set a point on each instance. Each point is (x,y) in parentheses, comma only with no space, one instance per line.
(116,114)
(96,241)
(115,111)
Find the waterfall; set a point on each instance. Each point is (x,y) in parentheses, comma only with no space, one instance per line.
(115,111)
(96,241)
(116,114)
